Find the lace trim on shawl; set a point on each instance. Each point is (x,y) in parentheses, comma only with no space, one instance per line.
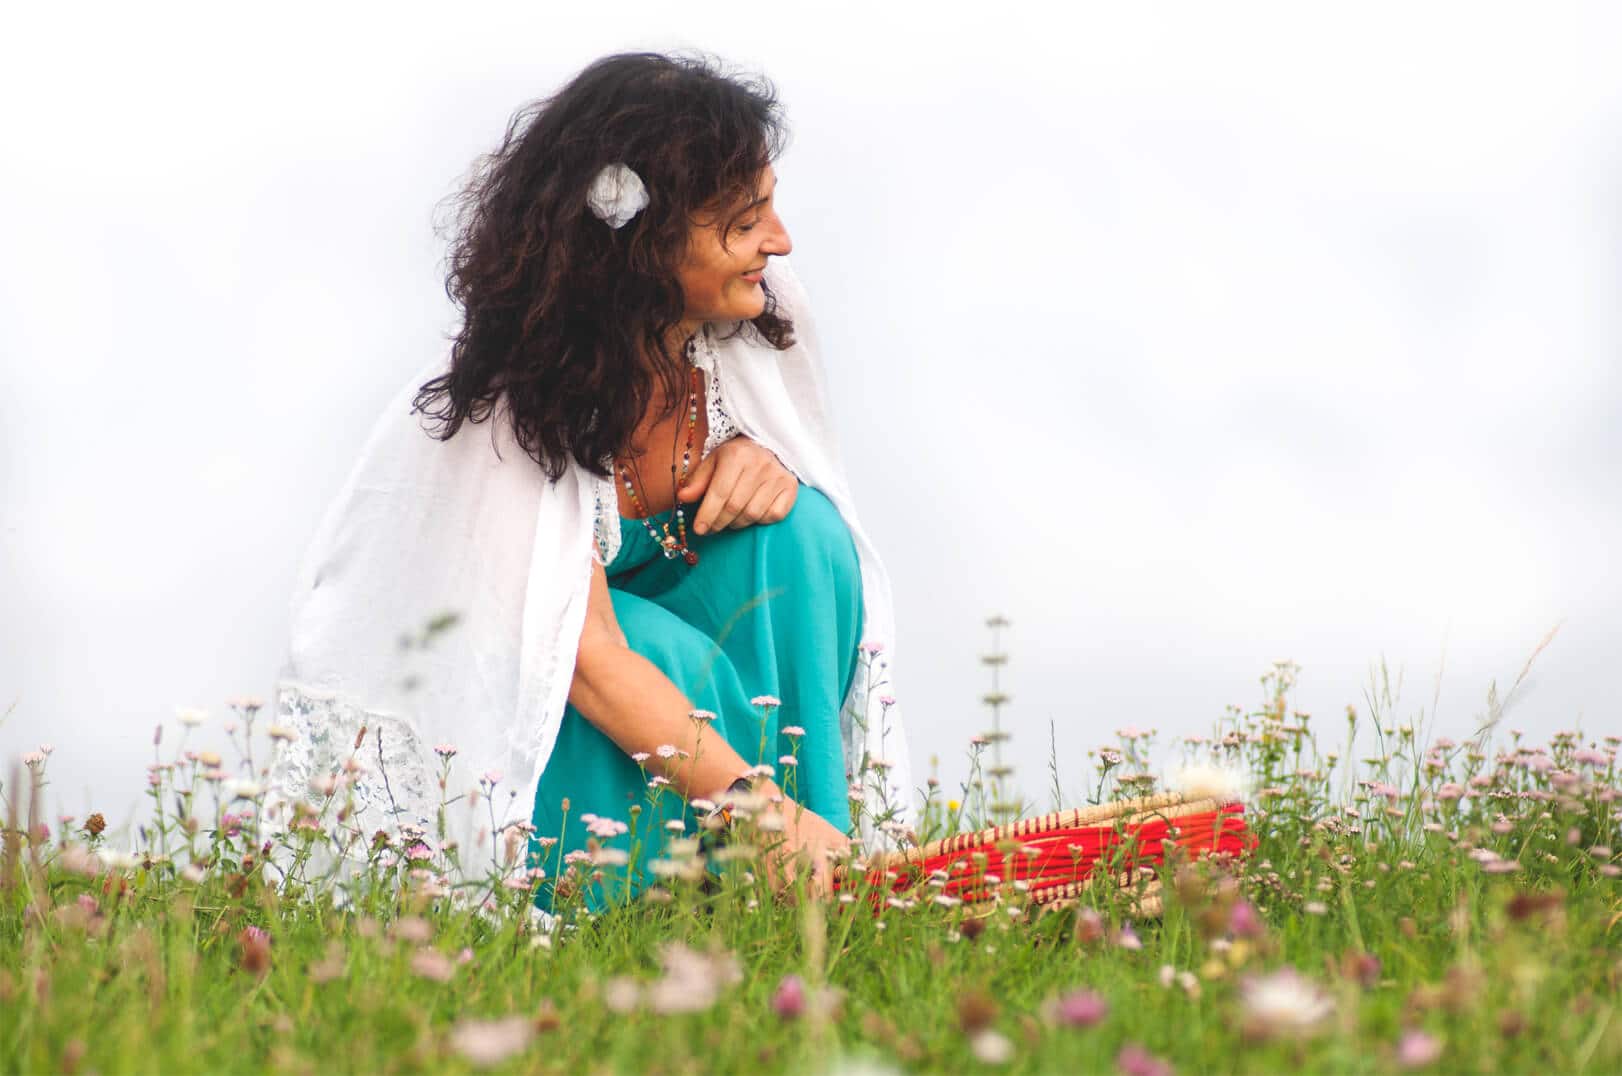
(394,784)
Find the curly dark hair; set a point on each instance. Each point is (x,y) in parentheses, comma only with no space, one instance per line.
(565,318)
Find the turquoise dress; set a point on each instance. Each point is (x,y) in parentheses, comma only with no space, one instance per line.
(770,609)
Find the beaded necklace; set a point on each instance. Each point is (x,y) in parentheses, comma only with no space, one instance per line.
(671,545)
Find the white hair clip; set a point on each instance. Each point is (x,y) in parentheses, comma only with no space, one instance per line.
(617,195)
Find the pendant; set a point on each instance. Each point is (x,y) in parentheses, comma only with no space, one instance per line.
(690,557)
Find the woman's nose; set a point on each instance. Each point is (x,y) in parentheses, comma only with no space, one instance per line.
(778,241)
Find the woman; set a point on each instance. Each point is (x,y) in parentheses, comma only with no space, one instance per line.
(626,318)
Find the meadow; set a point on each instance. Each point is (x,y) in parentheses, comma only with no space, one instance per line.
(1421,904)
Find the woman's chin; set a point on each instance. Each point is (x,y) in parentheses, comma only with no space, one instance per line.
(751,306)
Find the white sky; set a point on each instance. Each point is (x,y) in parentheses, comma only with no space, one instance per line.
(1189,340)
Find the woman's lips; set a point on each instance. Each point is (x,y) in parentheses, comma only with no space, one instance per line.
(753,278)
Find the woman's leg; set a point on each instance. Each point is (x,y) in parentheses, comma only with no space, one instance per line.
(596,777)
(784,602)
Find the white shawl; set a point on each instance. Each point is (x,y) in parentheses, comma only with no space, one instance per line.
(472,526)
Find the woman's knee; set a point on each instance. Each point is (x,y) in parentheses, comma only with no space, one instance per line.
(814,524)
(682,652)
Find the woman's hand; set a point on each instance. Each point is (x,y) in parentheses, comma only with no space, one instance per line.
(741,483)
(805,832)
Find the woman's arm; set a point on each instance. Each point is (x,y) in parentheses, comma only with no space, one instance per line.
(626,696)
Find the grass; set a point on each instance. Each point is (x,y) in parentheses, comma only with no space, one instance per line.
(1431,905)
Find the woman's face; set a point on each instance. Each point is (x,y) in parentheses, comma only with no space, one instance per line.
(720,281)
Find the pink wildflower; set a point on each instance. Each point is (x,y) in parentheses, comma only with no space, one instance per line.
(1083,1008)
(487,1043)
(432,964)
(789,1000)
(1416,1049)
(1244,922)
(1134,1060)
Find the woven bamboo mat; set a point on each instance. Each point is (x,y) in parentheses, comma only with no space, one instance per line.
(1055,857)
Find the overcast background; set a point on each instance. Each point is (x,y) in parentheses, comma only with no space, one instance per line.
(1188,340)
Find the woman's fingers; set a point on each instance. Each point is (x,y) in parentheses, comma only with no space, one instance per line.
(759,508)
(713,513)
(748,485)
(784,502)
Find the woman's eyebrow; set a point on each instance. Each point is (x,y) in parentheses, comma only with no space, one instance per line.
(766,198)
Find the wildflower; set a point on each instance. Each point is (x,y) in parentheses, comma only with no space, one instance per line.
(792,730)
(952,805)
(991,1047)
(622,994)
(692,980)
(787,760)
(1243,922)
(411,928)
(191,718)
(245,790)
(253,946)
(768,701)
(432,964)
(445,751)
(871,648)
(666,750)
(1315,907)
(886,701)
(1450,791)
(1134,1060)
(702,717)
(33,760)
(486,1043)
(978,740)
(492,777)
(604,827)
(1283,1004)
(1588,756)
(1127,938)
(788,1001)
(1168,975)
(1083,1008)
(1416,1049)
(1089,926)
